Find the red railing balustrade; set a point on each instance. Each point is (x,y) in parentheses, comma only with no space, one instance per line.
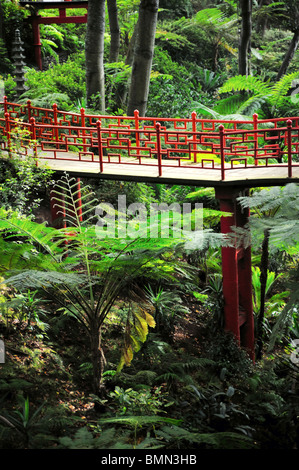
(219,145)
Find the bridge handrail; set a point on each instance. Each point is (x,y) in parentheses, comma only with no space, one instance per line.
(35,111)
(197,140)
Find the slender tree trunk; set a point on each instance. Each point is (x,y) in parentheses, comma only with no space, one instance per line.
(130,51)
(245,37)
(262,24)
(289,55)
(129,61)
(97,360)
(1,22)
(114,30)
(143,56)
(94,54)
(264,276)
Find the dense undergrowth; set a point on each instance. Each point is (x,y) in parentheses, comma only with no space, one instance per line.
(194,390)
(189,386)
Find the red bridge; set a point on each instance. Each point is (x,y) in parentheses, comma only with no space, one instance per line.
(231,156)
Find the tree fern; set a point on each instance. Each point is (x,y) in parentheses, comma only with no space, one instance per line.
(246,83)
(85,274)
(281,206)
(277,209)
(257,95)
(281,89)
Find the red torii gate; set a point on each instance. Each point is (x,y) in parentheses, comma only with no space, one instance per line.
(62,6)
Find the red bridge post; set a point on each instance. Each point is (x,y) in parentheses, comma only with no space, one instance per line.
(289,140)
(236,272)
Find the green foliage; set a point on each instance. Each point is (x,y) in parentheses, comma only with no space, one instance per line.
(136,331)
(84,439)
(281,203)
(23,422)
(269,100)
(139,402)
(175,8)
(173,87)
(217,399)
(168,305)
(14,18)
(275,302)
(28,307)
(22,184)
(87,282)
(61,83)
(6,65)
(117,76)
(277,211)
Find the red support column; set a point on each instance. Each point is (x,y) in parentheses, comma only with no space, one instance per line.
(159,157)
(236,272)
(289,139)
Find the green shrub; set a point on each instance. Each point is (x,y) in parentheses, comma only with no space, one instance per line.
(61,83)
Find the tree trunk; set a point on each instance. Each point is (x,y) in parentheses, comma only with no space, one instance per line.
(114,30)
(245,37)
(97,360)
(289,55)
(94,54)
(143,56)
(130,51)
(1,22)
(264,276)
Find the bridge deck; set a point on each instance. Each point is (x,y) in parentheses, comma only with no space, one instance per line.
(185,174)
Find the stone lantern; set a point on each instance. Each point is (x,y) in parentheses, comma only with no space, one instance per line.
(17,57)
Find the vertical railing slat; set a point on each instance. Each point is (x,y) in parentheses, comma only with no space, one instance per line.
(159,157)
(289,137)
(221,138)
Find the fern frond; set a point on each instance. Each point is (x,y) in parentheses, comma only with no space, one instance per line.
(282,87)
(65,196)
(252,105)
(285,317)
(40,235)
(136,421)
(229,104)
(242,83)
(136,331)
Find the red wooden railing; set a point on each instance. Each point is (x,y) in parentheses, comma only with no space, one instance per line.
(219,145)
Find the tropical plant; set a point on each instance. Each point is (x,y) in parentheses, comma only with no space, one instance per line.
(275,220)
(139,402)
(84,274)
(29,308)
(219,29)
(269,100)
(168,305)
(23,422)
(22,183)
(275,302)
